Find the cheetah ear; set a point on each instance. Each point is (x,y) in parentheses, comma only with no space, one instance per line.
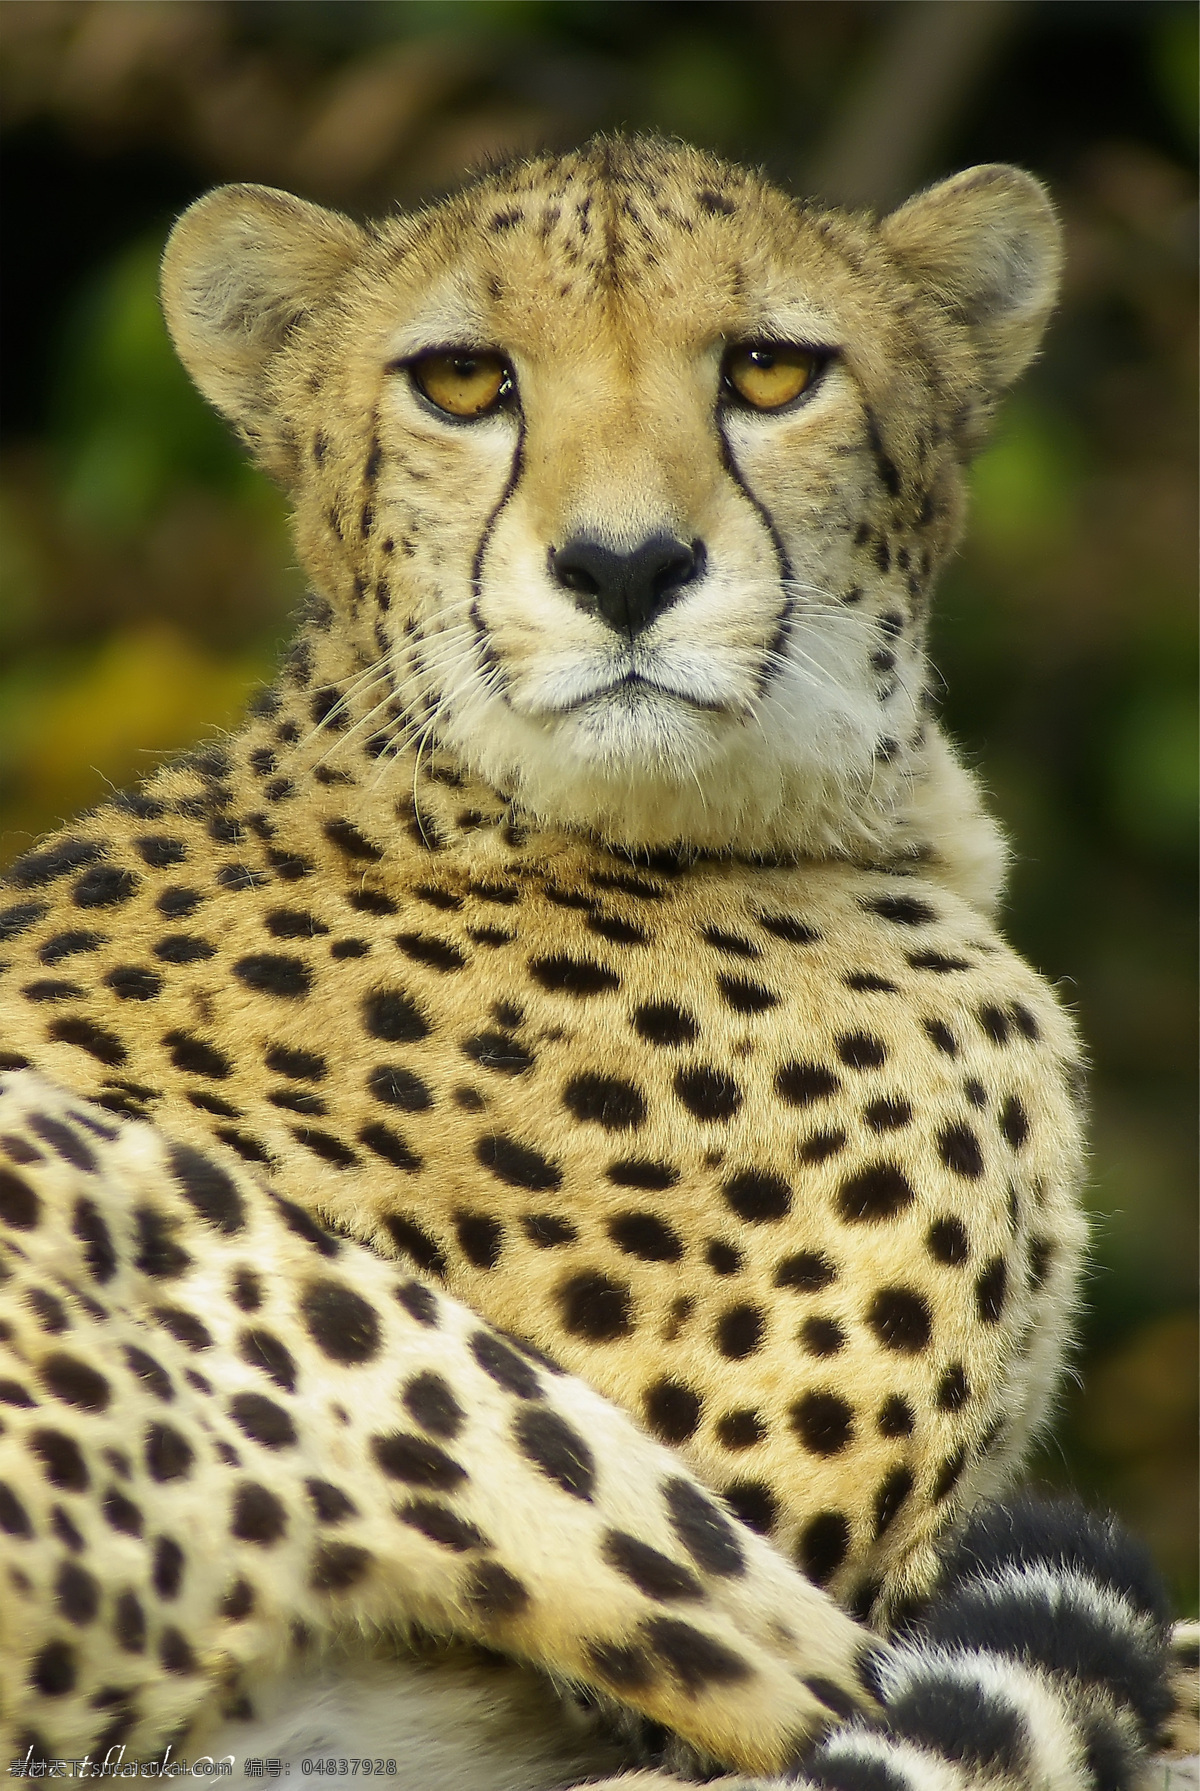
(243,267)
(987,245)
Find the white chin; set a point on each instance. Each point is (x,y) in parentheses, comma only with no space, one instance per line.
(633,730)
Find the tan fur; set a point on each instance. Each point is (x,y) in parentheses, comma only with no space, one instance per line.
(672,1038)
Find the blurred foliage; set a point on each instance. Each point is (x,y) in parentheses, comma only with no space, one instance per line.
(145,574)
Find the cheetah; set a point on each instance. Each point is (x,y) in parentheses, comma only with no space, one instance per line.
(534,1147)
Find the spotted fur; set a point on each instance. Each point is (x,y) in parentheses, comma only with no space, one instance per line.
(524,1020)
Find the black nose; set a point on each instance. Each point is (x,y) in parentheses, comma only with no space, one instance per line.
(628,589)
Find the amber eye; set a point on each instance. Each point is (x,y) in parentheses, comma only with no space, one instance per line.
(463,384)
(768,375)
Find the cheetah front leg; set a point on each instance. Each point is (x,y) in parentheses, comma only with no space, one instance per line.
(230,1428)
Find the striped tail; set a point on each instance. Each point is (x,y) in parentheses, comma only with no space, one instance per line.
(1040,1663)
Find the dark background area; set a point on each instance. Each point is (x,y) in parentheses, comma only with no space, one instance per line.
(146,577)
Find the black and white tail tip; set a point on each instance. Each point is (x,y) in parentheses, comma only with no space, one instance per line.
(1040,1663)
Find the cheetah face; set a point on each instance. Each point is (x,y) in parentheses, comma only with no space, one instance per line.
(630,475)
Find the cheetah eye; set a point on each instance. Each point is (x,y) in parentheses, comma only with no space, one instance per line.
(463,383)
(768,375)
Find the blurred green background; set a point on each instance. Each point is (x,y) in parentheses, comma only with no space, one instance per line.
(145,574)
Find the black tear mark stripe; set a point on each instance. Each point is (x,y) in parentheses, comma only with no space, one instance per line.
(489,528)
(775,646)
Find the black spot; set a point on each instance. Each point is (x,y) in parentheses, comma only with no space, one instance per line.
(480,1237)
(495,1592)
(35,869)
(895,1417)
(1014,1122)
(416,1462)
(53,1670)
(959,1150)
(77,1593)
(758,1197)
(753,1502)
(954,1389)
(303,1225)
(861,1051)
(330,1504)
(991,1288)
(948,1475)
(740,1430)
(940,1035)
(822,1336)
(325,1145)
(169,1455)
(786,927)
(573,976)
(708,1093)
(340,1322)
(14,1519)
(120,1513)
(606,1101)
(60,945)
(696,1660)
(948,1242)
(732,944)
(97,1041)
(413,1241)
(646,1236)
(499,1051)
(901,1320)
(13,1393)
(185,1327)
(808,1271)
(745,996)
(441,1525)
(594,1307)
(75,1382)
(195,1057)
(18,919)
(168,1567)
(1041,1255)
(905,911)
(887,1115)
(722,1258)
(821,1146)
(349,840)
(1024,1021)
(262,1420)
(258,1516)
(703,1529)
(274,973)
(158,1254)
(183,948)
(337,1565)
(799,1084)
(392,1015)
(53,988)
(390,1146)
(938,962)
(824,1422)
(739,1332)
(889,1497)
(263,1350)
(517,1164)
(424,948)
(104,886)
(552,1445)
(866,982)
(178,903)
(823,1545)
(547,1230)
(50,1311)
(129,1623)
(62,1459)
(238,1602)
(664,1023)
(672,1410)
(174,1651)
(618,932)
(995,1023)
(508,1369)
(19,1205)
(654,1574)
(636,1172)
(878,1192)
(210,1189)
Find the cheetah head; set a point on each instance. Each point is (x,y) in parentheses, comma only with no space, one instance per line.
(627,476)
